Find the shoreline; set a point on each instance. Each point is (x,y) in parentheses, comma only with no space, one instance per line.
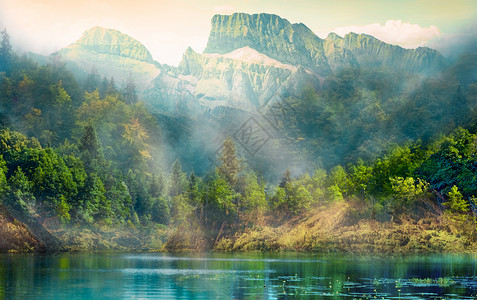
(326,230)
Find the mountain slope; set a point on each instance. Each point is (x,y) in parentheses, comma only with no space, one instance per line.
(372,52)
(113,42)
(112,54)
(244,78)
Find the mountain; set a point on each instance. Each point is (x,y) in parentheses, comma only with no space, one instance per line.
(373,53)
(250,61)
(271,35)
(112,54)
(113,42)
(243,79)
(296,44)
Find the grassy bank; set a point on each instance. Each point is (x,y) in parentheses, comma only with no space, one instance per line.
(335,228)
(15,236)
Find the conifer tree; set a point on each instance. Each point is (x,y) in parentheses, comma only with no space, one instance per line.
(193,192)
(130,93)
(230,165)
(177,181)
(5,52)
(103,88)
(157,186)
(111,89)
(456,202)
(90,148)
(286,179)
(3,177)
(92,81)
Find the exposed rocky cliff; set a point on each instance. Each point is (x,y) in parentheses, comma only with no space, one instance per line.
(296,44)
(243,78)
(373,53)
(271,35)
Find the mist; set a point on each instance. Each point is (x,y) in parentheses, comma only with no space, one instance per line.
(103,142)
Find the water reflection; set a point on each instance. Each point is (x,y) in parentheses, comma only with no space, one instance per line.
(225,276)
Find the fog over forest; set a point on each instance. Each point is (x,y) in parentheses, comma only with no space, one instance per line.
(102,147)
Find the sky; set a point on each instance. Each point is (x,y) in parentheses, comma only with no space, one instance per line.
(168,27)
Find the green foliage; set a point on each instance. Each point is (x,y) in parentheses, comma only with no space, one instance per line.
(90,149)
(333,193)
(3,177)
(452,162)
(177,181)
(161,212)
(338,183)
(360,176)
(407,190)
(230,165)
(278,199)
(193,189)
(218,199)
(92,141)
(157,187)
(318,185)
(254,197)
(135,219)
(125,132)
(62,209)
(180,208)
(456,203)
(100,160)
(299,198)
(130,91)
(20,189)
(6,52)
(138,189)
(294,198)
(92,201)
(361,113)
(118,195)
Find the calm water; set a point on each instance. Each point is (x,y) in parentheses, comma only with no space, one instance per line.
(226,276)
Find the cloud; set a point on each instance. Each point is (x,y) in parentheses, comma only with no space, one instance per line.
(225,9)
(397,32)
(454,44)
(176,45)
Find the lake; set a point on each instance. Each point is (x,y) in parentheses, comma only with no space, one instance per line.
(235,276)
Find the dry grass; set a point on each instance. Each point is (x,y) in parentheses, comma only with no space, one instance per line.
(329,228)
(15,237)
(324,229)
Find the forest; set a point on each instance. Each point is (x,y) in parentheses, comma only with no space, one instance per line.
(89,154)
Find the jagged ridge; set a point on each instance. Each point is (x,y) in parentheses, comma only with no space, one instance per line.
(269,34)
(296,44)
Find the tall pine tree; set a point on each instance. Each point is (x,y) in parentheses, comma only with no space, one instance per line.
(91,152)
(230,165)
(6,52)
(177,182)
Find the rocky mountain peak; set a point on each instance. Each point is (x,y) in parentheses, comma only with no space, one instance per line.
(333,37)
(113,42)
(268,34)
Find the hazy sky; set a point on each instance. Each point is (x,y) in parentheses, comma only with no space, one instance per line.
(168,27)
